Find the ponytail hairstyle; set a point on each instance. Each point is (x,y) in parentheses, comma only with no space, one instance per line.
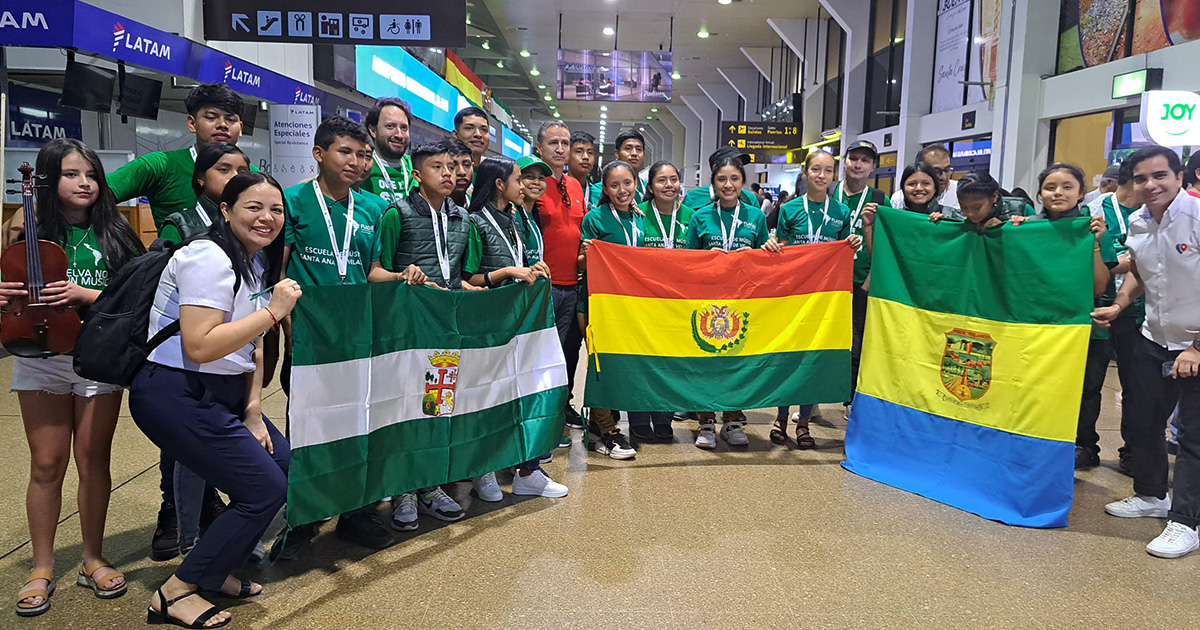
(221,234)
(654,169)
(978,184)
(490,169)
(207,156)
(118,242)
(608,170)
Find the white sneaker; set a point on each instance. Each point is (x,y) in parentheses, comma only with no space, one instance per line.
(1176,541)
(816,412)
(487,489)
(1138,506)
(734,434)
(707,438)
(439,505)
(404,516)
(537,484)
(616,446)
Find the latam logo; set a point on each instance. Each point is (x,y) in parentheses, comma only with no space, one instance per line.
(241,76)
(304,98)
(28,20)
(139,44)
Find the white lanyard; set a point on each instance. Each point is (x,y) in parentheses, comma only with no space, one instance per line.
(1120,216)
(518,252)
(727,239)
(203,215)
(193,152)
(629,240)
(443,248)
(854,218)
(808,217)
(533,229)
(388,178)
(669,241)
(342,256)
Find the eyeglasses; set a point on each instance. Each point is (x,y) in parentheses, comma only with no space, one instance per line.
(562,190)
(949,170)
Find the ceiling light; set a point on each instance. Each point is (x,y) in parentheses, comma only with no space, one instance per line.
(641,128)
(604,108)
(557,115)
(603,115)
(535,72)
(546,97)
(486,45)
(702,33)
(654,110)
(649,118)
(676,76)
(500,64)
(435,50)
(541,86)
(608,30)
(525,53)
(724,1)
(554,107)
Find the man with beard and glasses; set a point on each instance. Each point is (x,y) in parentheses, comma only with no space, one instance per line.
(391,171)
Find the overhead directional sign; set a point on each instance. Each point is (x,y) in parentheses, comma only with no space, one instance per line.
(440,24)
(764,142)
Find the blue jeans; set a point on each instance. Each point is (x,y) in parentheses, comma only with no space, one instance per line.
(805,412)
(190,490)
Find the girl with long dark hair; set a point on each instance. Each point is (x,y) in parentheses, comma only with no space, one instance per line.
(62,412)
(216,164)
(199,396)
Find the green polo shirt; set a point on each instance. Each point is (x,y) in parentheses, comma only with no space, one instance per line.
(402,180)
(704,229)
(1118,230)
(654,236)
(855,203)
(697,198)
(599,224)
(312,260)
(595,190)
(821,223)
(163,177)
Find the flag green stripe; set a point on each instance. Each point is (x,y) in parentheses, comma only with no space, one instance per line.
(336,477)
(717,383)
(334,324)
(945,267)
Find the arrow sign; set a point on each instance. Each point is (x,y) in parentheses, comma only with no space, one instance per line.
(732,128)
(240,20)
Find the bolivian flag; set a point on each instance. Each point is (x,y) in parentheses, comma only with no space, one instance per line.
(708,331)
(972,365)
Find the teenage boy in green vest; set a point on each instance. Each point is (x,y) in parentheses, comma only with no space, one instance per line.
(330,239)
(428,231)
(391,170)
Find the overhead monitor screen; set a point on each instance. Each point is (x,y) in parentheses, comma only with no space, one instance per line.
(614,75)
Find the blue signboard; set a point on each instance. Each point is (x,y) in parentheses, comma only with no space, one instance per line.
(35,118)
(386,71)
(515,146)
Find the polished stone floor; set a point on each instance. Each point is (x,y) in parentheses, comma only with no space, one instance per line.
(767,537)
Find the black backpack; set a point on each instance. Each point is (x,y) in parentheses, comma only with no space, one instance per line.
(112,345)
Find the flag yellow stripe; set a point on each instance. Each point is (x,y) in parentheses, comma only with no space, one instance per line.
(1036,370)
(623,324)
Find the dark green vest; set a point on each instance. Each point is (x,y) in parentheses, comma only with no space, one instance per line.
(417,246)
(495,254)
(189,223)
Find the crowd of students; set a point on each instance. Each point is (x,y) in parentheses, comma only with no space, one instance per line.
(449,216)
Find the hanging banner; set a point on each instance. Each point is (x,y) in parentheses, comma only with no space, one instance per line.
(293,128)
(985,51)
(950,56)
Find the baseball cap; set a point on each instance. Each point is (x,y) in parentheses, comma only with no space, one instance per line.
(533,160)
(727,152)
(862,144)
(1112,172)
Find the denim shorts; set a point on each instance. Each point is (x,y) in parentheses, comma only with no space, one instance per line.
(55,375)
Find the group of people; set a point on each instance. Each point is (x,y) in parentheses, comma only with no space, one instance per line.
(446,214)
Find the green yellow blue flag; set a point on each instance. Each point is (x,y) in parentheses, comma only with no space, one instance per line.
(972,364)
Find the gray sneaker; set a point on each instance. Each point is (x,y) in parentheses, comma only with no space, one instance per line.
(734,433)
(707,437)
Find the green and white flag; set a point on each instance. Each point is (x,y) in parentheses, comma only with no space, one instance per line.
(398,387)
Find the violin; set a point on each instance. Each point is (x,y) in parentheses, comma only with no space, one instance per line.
(29,328)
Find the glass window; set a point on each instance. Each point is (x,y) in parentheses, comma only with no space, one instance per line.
(833,57)
(881,33)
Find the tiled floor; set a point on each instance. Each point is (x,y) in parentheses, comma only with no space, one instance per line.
(678,538)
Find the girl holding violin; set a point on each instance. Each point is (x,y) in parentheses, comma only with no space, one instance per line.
(61,411)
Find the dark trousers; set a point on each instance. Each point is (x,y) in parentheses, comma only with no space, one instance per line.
(197,420)
(1124,337)
(1149,403)
(1094,371)
(566,299)
(859,324)
(645,419)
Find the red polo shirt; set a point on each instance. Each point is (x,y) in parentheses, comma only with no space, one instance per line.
(561,228)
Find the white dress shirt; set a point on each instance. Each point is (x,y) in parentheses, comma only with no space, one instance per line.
(948,198)
(1167,256)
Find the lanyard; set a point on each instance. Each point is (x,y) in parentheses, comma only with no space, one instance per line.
(388,178)
(527,221)
(862,201)
(518,252)
(1112,200)
(204,215)
(669,241)
(441,242)
(809,219)
(727,239)
(342,256)
(629,240)
(192,150)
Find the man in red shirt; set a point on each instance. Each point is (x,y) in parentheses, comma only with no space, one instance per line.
(560,213)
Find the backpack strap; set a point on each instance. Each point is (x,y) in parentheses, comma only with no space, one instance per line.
(162,335)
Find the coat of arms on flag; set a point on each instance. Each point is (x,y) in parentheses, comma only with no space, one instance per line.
(719,328)
(967,364)
(440,380)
